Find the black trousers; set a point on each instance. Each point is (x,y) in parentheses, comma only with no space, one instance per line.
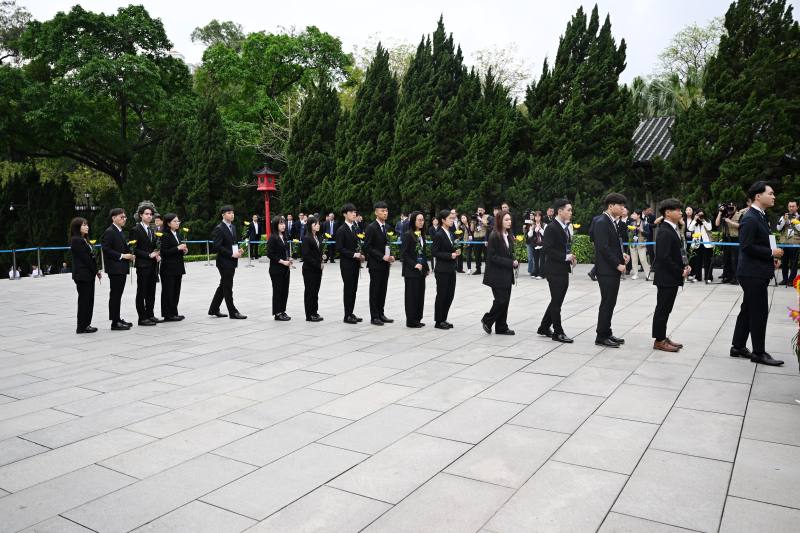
(558,291)
(378,283)
(415,299)
(753,313)
(350,271)
(117,287)
(729,259)
(254,250)
(330,252)
(703,258)
(312,279)
(445,291)
(665,300)
(498,314)
(85,302)
(280,290)
(224,290)
(170,294)
(609,288)
(146,279)
(789,264)
(478,254)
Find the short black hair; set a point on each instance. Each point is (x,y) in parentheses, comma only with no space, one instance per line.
(346,208)
(759,187)
(412,217)
(277,219)
(560,204)
(310,222)
(443,214)
(670,204)
(613,198)
(380,204)
(225,208)
(169,217)
(145,207)
(116,212)
(792,201)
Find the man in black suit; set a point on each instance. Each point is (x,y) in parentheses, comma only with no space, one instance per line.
(610,263)
(559,260)
(444,269)
(226,245)
(670,267)
(379,258)
(350,259)
(291,227)
(116,258)
(329,228)
(254,233)
(147,258)
(758,261)
(595,219)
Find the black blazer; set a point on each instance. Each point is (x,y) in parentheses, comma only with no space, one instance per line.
(171,257)
(755,254)
(499,273)
(347,244)
(554,246)
(442,249)
(329,227)
(311,252)
(84,264)
(222,244)
(668,263)
(410,258)
(114,245)
(291,233)
(253,234)
(375,243)
(277,250)
(432,230)
(144,247)
(607,248)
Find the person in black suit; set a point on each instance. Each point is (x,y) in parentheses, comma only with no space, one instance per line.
(671,267)
(313,263)
(116,257)
(379,259)
(558,263)
(172,269)
(595,219)
(280,263)
(415,269)
(147,258)
(610,261)
(499,274)
(84,272)
(445,255)
(350,259)
(329,232)
(624,236)
(226,245)
(757,264)
(254,233)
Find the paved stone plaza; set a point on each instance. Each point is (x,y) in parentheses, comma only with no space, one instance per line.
(223,426)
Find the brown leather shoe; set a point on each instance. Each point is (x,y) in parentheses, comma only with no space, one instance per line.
(664,346)
(675,344)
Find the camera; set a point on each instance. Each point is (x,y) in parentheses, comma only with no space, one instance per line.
(727,208)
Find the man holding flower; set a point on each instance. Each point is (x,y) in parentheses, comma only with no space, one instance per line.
(116,258)
(148,255)
(349,247)
(379,259)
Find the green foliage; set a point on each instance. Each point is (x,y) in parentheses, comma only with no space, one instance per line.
(582,247)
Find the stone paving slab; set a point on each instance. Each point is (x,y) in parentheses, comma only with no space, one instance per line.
(226,426)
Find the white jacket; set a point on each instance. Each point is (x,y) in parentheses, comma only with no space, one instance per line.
(704,229)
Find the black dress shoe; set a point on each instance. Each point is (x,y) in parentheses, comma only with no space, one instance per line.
(486,327)
(350,320)
(441,325)
(544,332)
(413,324)
(476,273)
(180,317)
(765,359)
(119,326)
(608,343)
(87,329)
(217,314)
(421,324)
(282,317)
(448,324)
(146,322)
(238,316)
(155,320)
(592,276)
(506,332)
(386,319)
(376,322)
(357,318)
(171,319)
(560,337)
(125,322)
(616,339)
(740,352)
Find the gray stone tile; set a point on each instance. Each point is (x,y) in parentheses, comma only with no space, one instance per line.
(200,391)
(444,395)
(190,416)
(774,422)
(278,409)
(378,430)
(767,472)
(124,381)
(700,433)
(45,401)
(352,380)
(717,396)
(677,489)
(725,369)
(23,424)
(644,404)
(521,387)
(509,456)
(278,484)
(773,388)
(444,504)
(343,363)
(325,510)
(472,420)
(15,449)
(425,374)
(279,385)
(578,500)
(665,375)
(744,516)
(198,517)
(171,451)
(558,411)
(408,358)
(609,444)
(146,500)
(593,380)
(56,525)
(393,473)
(364,401)
(558,364)
(620,523)
(206,373)
(492,369)
(102,402)
(40,502)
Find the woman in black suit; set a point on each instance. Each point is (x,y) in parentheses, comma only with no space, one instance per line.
(313,263)
(172,270)
(499,275)
(280,261)
(445,255)
(415,269)
(84,271)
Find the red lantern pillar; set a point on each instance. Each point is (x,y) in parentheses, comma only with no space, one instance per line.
(267,180)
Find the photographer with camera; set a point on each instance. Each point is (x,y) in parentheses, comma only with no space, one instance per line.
(730,233)
(789,226)
(700,228)
(479,225)
(534,235)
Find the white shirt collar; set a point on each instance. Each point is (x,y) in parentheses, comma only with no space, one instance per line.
(674,226)
(563,224)
(118,228)
(754,206)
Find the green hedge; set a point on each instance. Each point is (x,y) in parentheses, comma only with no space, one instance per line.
(581,246)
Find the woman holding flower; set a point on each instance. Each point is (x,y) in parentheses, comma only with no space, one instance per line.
(172,269)
(313,262)
(499,275)
(84,271)
(415,269)
(280,262)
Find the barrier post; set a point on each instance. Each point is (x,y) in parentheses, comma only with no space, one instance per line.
(249,255)
(208,255)
(14,265)
(39,261)
(102,260)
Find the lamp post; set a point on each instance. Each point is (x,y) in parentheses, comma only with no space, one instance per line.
(267,182)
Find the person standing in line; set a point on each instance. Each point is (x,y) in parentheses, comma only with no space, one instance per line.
(611,262)
(280,263)
(226,245)
(254,233)
(415,269)
(789,227)
(116,258)
(147,258)
(445,256)
(313,264)
(379,259)
(84,272)
(350,259)
(639,251)
(558,263)
(479,225)
(499,275)
(172,268)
